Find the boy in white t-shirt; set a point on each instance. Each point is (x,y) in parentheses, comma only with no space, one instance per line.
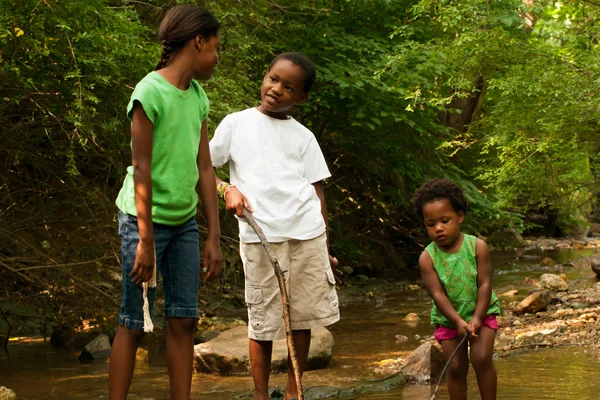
(277,169)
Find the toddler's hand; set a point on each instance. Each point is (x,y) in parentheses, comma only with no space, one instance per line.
(143,266)
(333,262)
(475,325)
(463,328)
(235,201)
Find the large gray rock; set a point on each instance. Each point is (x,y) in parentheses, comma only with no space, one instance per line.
(533,303)
(7,394)
(228,352)
(423,364)
(97,349)
(553,282)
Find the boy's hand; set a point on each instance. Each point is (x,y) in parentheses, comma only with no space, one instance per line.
(333,262)
(235,201)
(143,266)
(212,259)
(475,325)
(463,328)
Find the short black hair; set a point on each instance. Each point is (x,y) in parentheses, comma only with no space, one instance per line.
(310,73)
(439,189)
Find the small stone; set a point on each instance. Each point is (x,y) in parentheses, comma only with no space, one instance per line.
(510,293)
(553,282)
(413,287)
(401,338)
(7,394)
(417,337)
(547,262)
(412,317)
(516,322)
(96,349)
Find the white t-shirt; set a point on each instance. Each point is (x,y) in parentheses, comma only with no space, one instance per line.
(273,163)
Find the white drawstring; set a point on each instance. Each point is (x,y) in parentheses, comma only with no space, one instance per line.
(148,325)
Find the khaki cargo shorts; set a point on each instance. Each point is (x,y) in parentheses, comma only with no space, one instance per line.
(309,280)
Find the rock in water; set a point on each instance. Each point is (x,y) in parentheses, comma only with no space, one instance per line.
(533,303)
(596,266)
(412,317)
(547,262)
(553,282)
(7,394)
(423,364)
(228,352)
(510,293)
(97,349)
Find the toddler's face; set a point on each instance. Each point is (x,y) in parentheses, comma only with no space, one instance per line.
(443,223)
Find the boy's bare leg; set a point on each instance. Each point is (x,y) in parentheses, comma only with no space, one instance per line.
(260,363)
(122,362)
(180,356)
(482,349)
(457,370)
(302,344)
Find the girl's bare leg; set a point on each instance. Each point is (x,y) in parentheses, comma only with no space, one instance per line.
(180,356)
(122,362)
(482,351)
(457,370)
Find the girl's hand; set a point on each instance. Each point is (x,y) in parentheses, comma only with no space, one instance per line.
(212,259)
(463,328)
(333,262)
(475,325)
(143,266)
(235,201)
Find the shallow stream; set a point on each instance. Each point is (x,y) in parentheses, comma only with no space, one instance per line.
(364,336)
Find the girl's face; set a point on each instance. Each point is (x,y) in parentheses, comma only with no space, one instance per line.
(443,223)
(207,56)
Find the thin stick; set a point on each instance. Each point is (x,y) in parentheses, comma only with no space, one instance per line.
(285,300)
(464,339)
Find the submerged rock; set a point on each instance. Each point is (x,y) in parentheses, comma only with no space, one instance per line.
(547,262)
(533,303)
(423,364)
(7,394)
(553,282)
(228,352)
(412,317)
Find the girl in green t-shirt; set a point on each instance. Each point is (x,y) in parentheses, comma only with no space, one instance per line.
(457,273)
(157,203)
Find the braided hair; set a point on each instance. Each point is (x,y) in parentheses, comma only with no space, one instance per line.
(182,23)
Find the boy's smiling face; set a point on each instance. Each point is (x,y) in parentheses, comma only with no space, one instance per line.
(282,88)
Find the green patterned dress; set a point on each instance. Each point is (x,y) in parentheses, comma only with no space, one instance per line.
(458,274)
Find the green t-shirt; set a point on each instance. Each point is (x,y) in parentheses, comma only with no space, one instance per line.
(458,274)
(177,116)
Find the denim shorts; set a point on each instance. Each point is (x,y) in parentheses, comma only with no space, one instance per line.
(177,261)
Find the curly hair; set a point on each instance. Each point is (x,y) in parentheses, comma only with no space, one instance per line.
(439,189)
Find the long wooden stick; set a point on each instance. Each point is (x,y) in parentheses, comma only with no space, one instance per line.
(285,300)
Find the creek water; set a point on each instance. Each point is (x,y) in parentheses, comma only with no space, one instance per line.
(364,336)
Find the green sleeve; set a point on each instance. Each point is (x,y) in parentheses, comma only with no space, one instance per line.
(145,94)
(204,103)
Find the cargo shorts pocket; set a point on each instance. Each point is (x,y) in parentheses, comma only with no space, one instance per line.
(331,294)
(256,307)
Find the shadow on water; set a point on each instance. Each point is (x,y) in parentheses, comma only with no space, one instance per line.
(365,335)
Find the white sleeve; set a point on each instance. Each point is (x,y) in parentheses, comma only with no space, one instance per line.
(220,145)
(315,167)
